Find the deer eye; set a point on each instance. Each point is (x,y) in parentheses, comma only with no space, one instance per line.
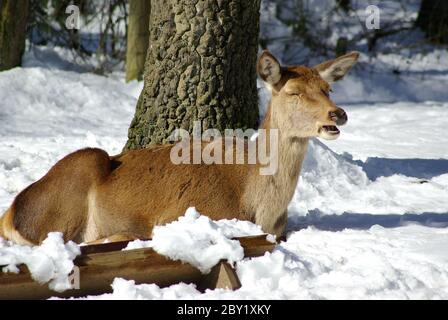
(326,93)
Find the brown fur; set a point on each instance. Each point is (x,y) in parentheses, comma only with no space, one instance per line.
(89,196)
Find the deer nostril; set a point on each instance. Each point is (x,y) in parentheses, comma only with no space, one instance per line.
(339,117)
(333,116)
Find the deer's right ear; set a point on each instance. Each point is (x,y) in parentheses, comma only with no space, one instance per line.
(334,70)
(269,68)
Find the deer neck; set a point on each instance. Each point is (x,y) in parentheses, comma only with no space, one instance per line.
(272,193)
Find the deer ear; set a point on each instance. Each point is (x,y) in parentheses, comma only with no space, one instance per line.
(269,68)
(336,69)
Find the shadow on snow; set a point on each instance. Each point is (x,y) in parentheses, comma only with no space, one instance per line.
(365,221)
(419,168)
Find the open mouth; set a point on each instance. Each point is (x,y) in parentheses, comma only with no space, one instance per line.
(330,130)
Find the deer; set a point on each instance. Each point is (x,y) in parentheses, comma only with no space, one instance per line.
(90,196)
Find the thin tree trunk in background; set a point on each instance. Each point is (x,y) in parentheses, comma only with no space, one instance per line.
(201,65)
(13,20)
(138,38)
(433,20)
(343,4)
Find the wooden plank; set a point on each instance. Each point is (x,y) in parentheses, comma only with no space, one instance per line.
(104,247)
(99,264)
(97,272)
(255,245)
(222,276)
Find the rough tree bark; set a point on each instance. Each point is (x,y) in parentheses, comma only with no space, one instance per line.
(433,20)
(138,38)
(13,18)
(200,66)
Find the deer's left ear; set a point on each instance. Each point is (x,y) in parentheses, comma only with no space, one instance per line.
(269,68)
(336,69)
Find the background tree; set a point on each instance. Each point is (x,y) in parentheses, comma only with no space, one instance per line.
(137,38)
(100,43)
(201,65)
(343,4)
(433,19)
(13,21)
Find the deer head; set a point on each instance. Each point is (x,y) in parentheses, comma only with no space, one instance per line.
(301,104)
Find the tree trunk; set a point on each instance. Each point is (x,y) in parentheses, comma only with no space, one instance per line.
(433,20)
(13,18)
(138,38)
(343,4)
(201,65)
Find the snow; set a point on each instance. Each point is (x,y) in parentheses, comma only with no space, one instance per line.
(419,131)
(199,241)
(410,262)
(51,262)
(335,184)
(128,290)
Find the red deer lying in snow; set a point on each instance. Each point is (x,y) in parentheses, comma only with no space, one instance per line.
(89,195)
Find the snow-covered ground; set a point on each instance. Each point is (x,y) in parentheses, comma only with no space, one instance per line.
(370,215)
(378,263)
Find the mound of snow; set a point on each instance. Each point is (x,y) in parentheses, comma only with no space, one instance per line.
(334,184)
(126,290)
(403,263)
(51,262)
(199,240)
